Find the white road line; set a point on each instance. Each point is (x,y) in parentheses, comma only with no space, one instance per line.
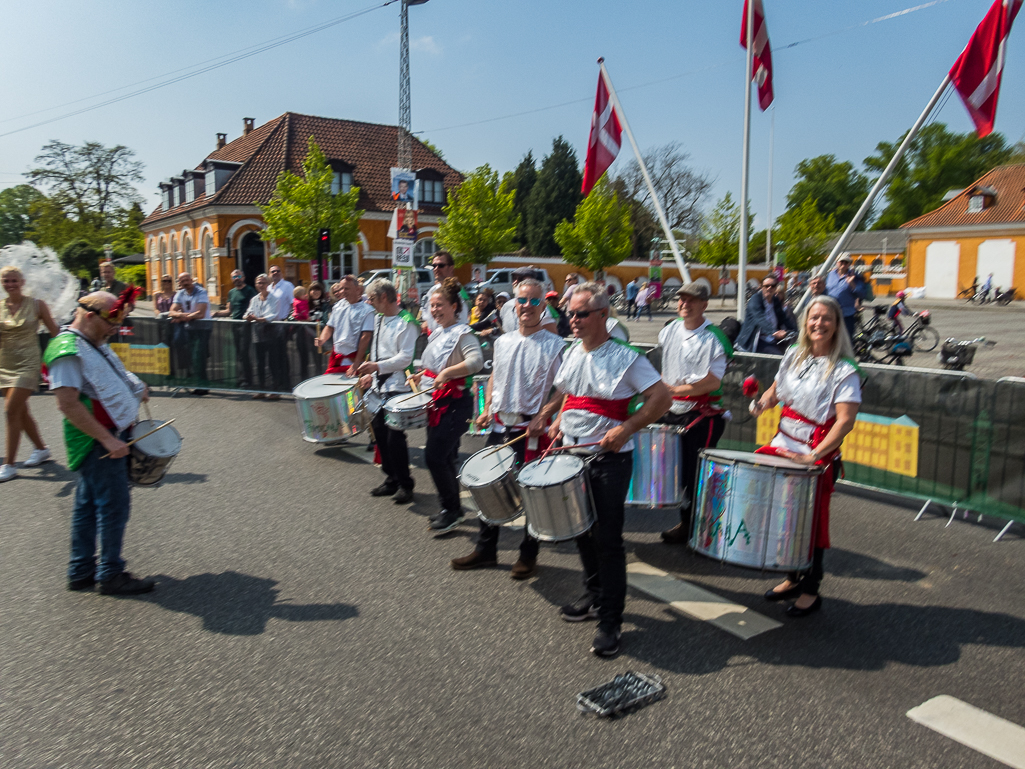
(697,602)
(990,735)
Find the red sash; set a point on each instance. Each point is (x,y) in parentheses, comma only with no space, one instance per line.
(454,388)
(336,363)
(102,416)
(707,405)
(614,409)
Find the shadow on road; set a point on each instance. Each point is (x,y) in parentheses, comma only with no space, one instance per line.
(237,604)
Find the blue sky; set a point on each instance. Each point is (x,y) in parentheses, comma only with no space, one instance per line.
(477,60)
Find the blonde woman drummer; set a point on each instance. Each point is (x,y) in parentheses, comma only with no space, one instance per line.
(819,385)
(450,360)
(20,358)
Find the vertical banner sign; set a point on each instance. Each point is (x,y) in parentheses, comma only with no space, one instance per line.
(402,254)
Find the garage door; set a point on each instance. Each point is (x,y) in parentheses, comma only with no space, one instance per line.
(996,256)
(941,261)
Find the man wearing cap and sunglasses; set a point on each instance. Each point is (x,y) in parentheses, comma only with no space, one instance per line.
(694,358)
(444,266)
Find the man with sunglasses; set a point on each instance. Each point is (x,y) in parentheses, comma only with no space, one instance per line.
(444,266)
(510,314)
(239,297)
(598,379)
(521,379)
(766,322)
(694,358)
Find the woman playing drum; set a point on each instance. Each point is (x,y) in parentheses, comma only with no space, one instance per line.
(450,360)
(819,385)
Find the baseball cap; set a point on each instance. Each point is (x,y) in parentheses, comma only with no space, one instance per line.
(552,295)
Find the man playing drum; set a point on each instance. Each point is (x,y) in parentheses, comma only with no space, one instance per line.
(395,335)
(350,327)
(100,401)
(525,363)
(598,378)
(694,356)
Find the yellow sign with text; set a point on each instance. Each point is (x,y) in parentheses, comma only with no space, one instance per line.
(144,358)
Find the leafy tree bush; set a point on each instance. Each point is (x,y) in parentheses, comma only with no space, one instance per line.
(480,220)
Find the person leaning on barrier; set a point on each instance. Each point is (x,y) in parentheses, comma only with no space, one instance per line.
(239,297)
(694,358)
(349,328)
(391,351)
(163,297)
(262,310)
(191,311)
(766,322)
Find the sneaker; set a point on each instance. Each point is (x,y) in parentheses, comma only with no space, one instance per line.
(447,521)
(85,583)
(676,535)
(606,643)
(384,490)
(523,569)
(403,497)
(7,472)
(38,457)
(475,560)
(584,609)
(125,584)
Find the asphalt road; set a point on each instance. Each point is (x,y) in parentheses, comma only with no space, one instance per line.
(301,623)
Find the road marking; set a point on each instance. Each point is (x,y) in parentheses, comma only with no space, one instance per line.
(697,602)
(989,734)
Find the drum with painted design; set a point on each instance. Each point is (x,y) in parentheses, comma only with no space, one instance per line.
(150,458)
(329,408)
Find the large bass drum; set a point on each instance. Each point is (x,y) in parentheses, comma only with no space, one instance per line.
(329,408)
(755,510)
(556,498)
(489,476)
(150,458)
(656,480)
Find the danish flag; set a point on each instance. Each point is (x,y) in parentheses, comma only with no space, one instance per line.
(761,65)
(976,73)
(605,139)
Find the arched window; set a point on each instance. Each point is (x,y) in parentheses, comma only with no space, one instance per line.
(208,260)
(423,251)
(251,257)
(186,257)
(163,257)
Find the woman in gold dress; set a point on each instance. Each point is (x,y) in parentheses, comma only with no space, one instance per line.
(20,358)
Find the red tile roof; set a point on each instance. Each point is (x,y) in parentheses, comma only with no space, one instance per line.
(1007,208)
(370,148)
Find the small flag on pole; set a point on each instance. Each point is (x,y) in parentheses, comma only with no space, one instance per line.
(761,67)
(605,139)
(976,73)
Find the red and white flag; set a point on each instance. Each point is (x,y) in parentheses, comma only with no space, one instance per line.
(976,73)
(605,139)
(761,66)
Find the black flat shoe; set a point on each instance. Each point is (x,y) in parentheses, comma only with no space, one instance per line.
(793,611)
(790,592)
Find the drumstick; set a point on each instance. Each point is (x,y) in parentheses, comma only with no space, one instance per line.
(415,393)
(136,440)
(149,415)
(510,443)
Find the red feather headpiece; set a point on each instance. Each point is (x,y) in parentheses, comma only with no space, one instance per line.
(121,307)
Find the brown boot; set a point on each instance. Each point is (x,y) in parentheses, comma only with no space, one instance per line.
(523,569)
(676,535)
(475,560)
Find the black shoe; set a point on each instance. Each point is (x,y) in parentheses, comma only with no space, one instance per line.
(606,643)
(790,592)
(384,490)
(793,611)
(403,496)
(445,522)
(475,560)
(125,584)
(371,446)
(584,609)
(524,569)
(200,392)
(85,583)
(676,535)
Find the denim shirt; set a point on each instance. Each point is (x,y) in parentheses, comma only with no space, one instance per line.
(836,287)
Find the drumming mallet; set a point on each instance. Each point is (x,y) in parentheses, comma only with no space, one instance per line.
(136,440)
(750,389)
(510,443)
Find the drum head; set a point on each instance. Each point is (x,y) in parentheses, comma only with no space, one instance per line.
(749,458)
(324,386)
(487,466)
(166,442)
(551,470)
(407,402)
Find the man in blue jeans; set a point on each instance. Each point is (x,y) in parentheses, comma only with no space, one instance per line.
(100,400)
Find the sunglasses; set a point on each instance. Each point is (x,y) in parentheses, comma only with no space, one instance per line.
(534,301)
(580,313)
(437,266)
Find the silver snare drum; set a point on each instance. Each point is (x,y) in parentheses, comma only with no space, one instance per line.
(656,480)
(555,497)
(150,458)
(407,412)
(755,510)
(329,408)
(489,476)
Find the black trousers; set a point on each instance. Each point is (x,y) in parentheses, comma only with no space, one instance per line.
(602,552)
(810,580)
(394,453)
(704,435)
(242,336)
(487,539)
(279,360)
(199,347)
(442,449)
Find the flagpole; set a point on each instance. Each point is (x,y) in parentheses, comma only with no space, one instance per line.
(742,266)
(681,265)
(770,257)
(880,183)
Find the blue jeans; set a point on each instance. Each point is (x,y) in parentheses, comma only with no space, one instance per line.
(102,506)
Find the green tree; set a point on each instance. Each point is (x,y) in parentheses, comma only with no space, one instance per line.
(554,197)
(936,161)
(803,232)
(81,258)
(432,147)
(302,205)
(838,189)
(524,178)
(720,234)
(600,234)
(17,214)
(480,220)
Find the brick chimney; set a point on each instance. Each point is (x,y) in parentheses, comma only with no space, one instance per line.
(222,139)
(247,125)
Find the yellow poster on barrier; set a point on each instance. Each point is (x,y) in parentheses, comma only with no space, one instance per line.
(144,358)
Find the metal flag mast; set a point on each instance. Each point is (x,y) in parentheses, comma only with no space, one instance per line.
(742,260)
(681,265)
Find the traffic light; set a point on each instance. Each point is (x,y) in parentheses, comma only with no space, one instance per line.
(323,242)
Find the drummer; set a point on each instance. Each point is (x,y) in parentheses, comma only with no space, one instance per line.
(450,360)
(510,313)
(525,363)
(598,378)
(819,385)
(350,326)
(395,335)
(694,357)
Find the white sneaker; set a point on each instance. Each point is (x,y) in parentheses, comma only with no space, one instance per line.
(7,472)
(38,457)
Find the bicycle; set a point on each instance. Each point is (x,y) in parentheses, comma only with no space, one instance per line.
(920,335)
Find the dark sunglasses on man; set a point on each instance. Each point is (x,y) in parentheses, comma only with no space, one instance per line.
(580,313)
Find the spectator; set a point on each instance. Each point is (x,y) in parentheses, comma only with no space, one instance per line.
(283,292)
(644,301)
(262,310)
(987,287)
(483,306)
(107,280)
(162,298)
(847,289)
(817,285)
(766,323)
(572,281)
(632,289)
(320,304)
(301,334)
(300,305)
(190,310)
(562,322)
(239,298)
(444,267)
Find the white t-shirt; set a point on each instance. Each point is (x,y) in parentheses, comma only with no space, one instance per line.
(284,292)
(190,302)
(348,322)
(263,308)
